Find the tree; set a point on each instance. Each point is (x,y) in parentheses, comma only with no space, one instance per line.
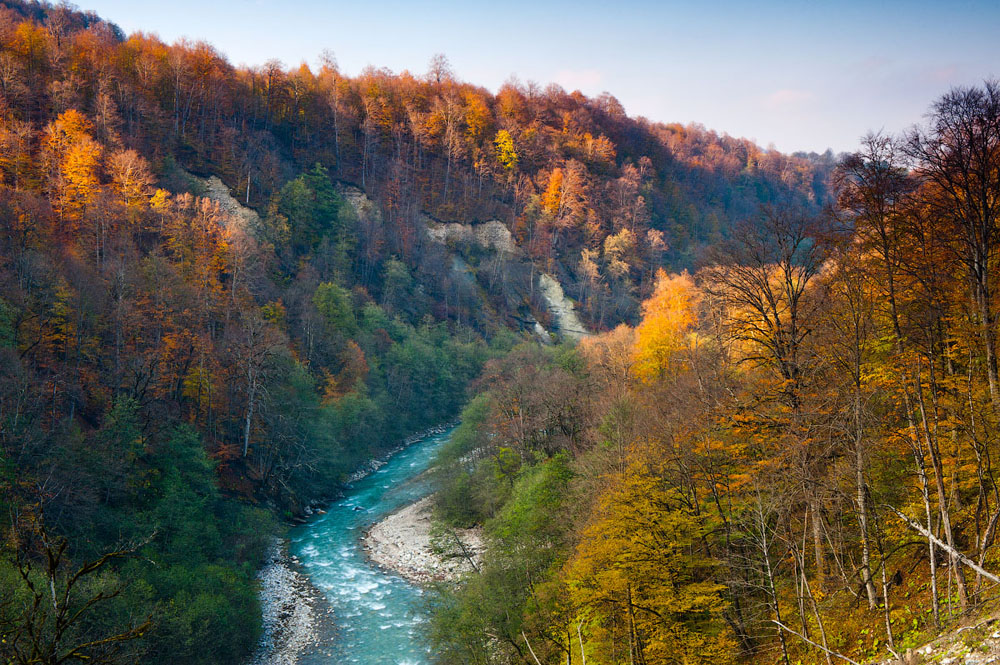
(505,151)
(131,177)
(959,154)
(439,70)
(637,581)
(333,302)
(619,253)
(668,320)
(15,152)
(762,279)
(73,157)
(851,336)
(256,345)
(47,618)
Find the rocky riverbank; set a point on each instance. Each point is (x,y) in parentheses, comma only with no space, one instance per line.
(297,617)
(294,613)
(377,463)
(406,543)
(317,506)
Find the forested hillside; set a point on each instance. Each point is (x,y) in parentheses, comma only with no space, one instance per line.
(598,197)
(789,459)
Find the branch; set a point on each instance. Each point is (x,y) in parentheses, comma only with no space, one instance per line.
(465,551)
(947,548)
(533,651)
(818,646)
(79,652)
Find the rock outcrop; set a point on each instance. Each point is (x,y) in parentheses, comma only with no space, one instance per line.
(363,207)
(493,235)
(561,308)
(217,191)
(490,236)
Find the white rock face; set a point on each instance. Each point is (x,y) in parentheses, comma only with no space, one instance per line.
(217,191)
(561,307)
(363,206)
(493,234)
(542,333)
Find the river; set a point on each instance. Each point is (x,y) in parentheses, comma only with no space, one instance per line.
(378,617)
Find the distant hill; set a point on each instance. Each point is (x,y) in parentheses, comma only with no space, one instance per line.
(597,197)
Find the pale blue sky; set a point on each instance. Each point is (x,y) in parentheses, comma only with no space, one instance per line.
(800,75)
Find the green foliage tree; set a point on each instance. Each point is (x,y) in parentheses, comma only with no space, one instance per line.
(314,211)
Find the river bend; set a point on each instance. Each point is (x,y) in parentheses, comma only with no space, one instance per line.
(378,616)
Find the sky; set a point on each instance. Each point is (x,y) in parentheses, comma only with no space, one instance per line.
(796,75)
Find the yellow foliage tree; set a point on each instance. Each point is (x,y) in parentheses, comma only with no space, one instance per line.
(618,251)
(132,178)
(668,319)
(72,158)
(79,171)
(506,153)
(552,198)
(643,591)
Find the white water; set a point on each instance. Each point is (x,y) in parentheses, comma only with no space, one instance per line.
(378,616)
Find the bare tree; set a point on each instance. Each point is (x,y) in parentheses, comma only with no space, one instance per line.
(959,154)
(41,623)
(255,348)
(439,70)
(762,278)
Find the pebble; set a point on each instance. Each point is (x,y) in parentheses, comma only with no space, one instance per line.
(402,543)
(288,611)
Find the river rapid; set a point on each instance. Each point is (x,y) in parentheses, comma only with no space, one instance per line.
(378,617)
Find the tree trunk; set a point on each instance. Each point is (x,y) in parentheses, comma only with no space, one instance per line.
(959,557)
(914,443)
(817,534)
(935,455)
(771,588)
(246,425)
(859,470)
(989,336)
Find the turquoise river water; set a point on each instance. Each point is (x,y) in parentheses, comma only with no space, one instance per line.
(378,617)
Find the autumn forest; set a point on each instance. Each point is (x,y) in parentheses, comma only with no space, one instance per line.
(225,290)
